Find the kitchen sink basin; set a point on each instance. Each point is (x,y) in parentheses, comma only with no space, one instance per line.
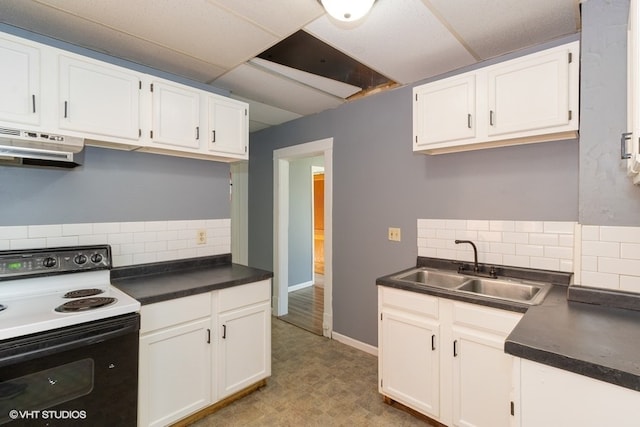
(508,290)
(428,277)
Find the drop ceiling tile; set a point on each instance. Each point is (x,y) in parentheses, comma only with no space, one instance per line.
(266,114)
(508,25)
(282,17)
(62,26)
(340,89)
(269,88)
(198,28)
(399,38)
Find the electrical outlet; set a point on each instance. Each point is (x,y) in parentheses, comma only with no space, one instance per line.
(394,234)
(201,237)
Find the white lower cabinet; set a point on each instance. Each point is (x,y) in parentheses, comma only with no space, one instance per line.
(193,355)
(445,358)
(552,397)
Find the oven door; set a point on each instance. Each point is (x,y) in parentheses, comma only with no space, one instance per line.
(80,375)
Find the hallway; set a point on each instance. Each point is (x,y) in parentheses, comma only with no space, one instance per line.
(315,382)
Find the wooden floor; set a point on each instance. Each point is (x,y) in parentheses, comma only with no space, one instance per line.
(305,309)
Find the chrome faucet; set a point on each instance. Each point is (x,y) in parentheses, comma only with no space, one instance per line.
(476,268)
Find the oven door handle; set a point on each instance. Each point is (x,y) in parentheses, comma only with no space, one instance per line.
(52,342)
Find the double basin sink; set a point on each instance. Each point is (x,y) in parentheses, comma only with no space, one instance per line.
(521,291)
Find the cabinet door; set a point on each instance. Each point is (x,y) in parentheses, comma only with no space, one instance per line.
(529,94)
(445,111)
(632,148)
(228,125)
(19,83)
(409,360)
(244,348)
(482,379)
(98,99)
(175,372)
(175,115)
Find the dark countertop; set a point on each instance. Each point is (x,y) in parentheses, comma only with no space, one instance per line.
(151,283)
(574,329)
(597,341)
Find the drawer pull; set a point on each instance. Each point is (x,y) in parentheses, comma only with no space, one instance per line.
(224,331)
(455,348)
(433,342)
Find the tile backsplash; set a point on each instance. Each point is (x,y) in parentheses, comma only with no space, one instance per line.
(547,245)
(610,257)
(131,242)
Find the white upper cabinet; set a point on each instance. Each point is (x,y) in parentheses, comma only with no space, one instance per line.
(529,99)
(445,111)
(175,115)
(227,125)
(98,99)
(529,94)
(630,141)
(19,83)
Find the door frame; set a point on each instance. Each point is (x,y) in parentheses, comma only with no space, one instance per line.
(281,159)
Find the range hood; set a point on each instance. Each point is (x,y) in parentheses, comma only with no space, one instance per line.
(32,148)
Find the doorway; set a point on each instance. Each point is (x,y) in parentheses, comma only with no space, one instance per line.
(286,252)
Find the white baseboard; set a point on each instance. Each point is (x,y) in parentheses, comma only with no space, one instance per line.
(367,348)
(300,286)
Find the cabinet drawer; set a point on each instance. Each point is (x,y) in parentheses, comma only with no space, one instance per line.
(173,312)
(412,301)
(491,319)
(244,295)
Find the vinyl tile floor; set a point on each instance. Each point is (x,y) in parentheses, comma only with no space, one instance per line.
(315,381)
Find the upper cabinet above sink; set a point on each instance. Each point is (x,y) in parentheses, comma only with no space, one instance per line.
(533,98)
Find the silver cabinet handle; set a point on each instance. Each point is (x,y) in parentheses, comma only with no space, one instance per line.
(33,102)
(213,136)
(469,121)
(197,132)
(624,137)
(65,109)
(490,117)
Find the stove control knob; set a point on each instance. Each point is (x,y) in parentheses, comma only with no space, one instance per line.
(96,258)
(49,262)
(80,259)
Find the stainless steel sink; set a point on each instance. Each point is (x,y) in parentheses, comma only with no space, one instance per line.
(424,276)
(508,290)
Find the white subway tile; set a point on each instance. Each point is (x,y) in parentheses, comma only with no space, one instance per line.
(516,260)
(167,235)
(145,236)
(176,225)
(132,248)
(176,244)
(502,226)
(119,238)
(566,265)
(155,225)
(434,223)
(106,227)
(529,226)
(600,280)
(559,227)
(558,252)
(590,232)
(422,243)
(630,283)
(544,263)
(589,263)
(490,236)
(155,246)
(167,255)
(446,253)
(629,267)
(605,249)
(489,258)
(446,234)
(464,256)
(132,227)
(27,243)
(122,260)
(566,240)
(437,243)
(502,248)
(14,232)
(206,251)
(478,225)
(144,258)
(77,229)
(196,224)
(187,253)
(543,239)
(53,242)
(456,224)
(427,252)
(5,244)
(620,234)
(426,232)
(466,235)
(92,239)
(630,250)
(38,231)
(511,237)
(530,250)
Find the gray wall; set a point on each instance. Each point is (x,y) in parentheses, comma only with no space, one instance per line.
(379,182)
(114,185)
(607,195)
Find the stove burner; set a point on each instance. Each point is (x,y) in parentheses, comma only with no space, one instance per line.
(82,293)
(2,307)
(84,304)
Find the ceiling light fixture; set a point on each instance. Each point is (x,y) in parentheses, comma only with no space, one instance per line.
(347,10)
